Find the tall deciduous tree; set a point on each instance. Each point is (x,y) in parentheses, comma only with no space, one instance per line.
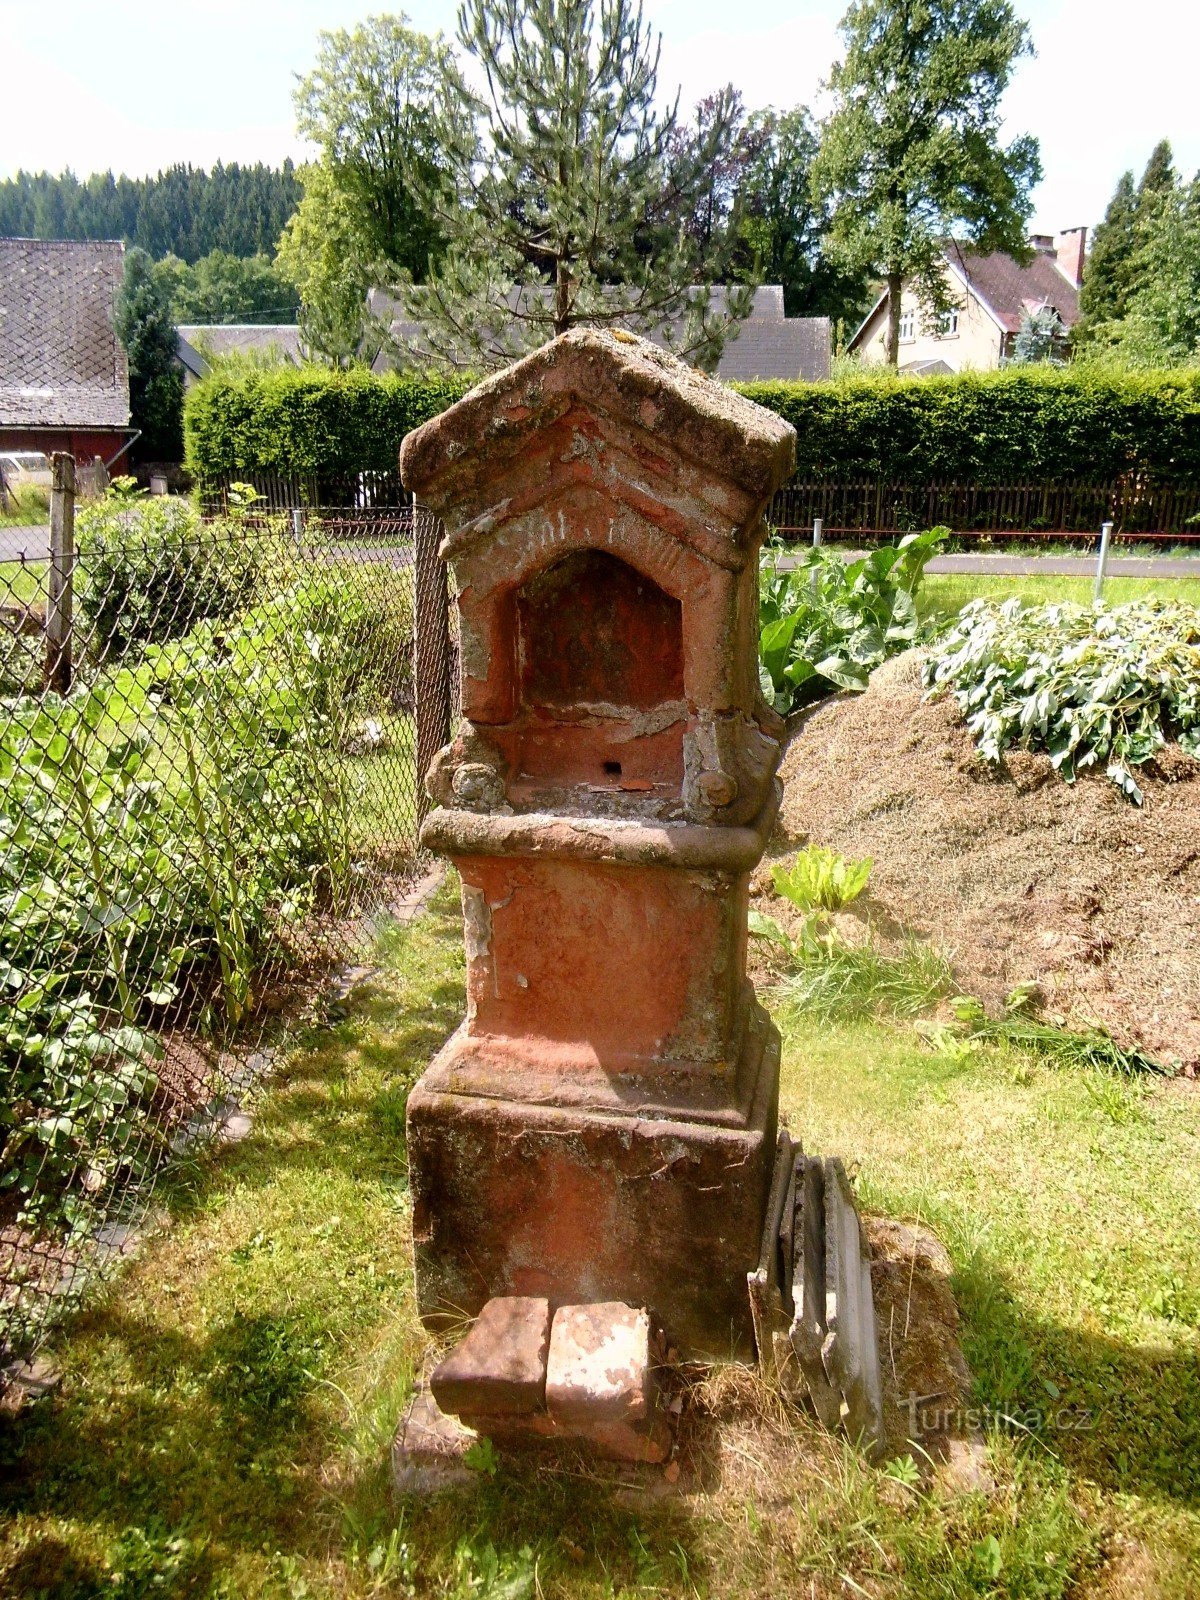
(911,152)
(323,255)
(559,217)
(785,225)
(376,106)
(224,288)
(144,326)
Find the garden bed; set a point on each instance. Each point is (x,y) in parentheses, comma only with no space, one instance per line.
(1016,874)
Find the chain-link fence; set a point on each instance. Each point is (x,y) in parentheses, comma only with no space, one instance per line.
(208,795)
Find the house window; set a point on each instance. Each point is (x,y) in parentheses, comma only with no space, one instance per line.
(908,325)
(948,324)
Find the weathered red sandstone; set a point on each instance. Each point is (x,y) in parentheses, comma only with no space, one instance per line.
(602,1127)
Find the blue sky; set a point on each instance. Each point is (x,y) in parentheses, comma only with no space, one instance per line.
(137,85)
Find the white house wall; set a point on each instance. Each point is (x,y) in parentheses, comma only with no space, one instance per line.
(976,346)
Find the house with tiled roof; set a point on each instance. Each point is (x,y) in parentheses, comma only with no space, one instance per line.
(64,381)
(991,294)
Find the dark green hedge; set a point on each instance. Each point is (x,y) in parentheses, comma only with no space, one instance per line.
(996,427)
(307,420)
(1048,425)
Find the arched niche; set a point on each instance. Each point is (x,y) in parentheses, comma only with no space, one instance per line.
(594,632)
(598,674)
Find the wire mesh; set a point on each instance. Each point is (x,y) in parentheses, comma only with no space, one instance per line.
(222,804)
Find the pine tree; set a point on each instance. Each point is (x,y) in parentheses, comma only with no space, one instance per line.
(1106,281)
(1159,176)
(556,216)
(144,326)
(911,152)
(1118,265)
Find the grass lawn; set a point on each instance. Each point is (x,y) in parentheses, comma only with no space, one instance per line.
(223,1421)
(27,507)
(945,594)
(23,582)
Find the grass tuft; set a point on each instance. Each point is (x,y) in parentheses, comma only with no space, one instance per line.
(851,982)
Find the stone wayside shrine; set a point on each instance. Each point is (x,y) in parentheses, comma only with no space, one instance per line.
(602,1128)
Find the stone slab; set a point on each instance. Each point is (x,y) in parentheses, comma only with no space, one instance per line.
(600,1383)
(429,1450)
(807,1332)
(850,1353)
(499,1368)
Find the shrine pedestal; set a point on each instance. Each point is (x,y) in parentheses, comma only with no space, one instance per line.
(602,1127)
(516,1197)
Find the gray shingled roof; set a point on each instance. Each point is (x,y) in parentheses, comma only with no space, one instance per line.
(61,363)
(224,338)
(787,347)
(768,344)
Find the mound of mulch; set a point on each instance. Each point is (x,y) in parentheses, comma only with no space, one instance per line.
(1017,875)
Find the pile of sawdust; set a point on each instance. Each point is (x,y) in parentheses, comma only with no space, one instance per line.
(1017,875)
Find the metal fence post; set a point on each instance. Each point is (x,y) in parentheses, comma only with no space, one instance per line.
(431,647)
(818,530)
(61,580)
(1106,529)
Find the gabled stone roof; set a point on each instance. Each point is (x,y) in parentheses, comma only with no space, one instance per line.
(620,376)
(61,363)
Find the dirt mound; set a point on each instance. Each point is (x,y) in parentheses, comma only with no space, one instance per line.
(1017,875)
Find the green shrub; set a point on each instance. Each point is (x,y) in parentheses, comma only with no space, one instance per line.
(158,828)
(828,623)
(307,420)
(1053,425)
(1017,425)
(150,569)
(1086,684)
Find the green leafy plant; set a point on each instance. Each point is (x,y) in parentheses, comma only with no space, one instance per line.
(822,880)
(828,977)
(828,623)
(150,569)
(1085,684)
(159,829)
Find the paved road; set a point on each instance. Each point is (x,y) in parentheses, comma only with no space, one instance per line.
(1006,566)
(32,543)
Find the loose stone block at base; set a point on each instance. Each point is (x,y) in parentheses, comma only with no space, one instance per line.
(500,1367)
(577,1205)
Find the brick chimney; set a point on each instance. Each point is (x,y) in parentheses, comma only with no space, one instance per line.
(1070,253)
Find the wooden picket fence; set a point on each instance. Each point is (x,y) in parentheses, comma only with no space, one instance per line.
(874,508)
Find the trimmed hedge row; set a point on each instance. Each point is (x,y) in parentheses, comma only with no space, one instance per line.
(1018,425)
(306,420)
